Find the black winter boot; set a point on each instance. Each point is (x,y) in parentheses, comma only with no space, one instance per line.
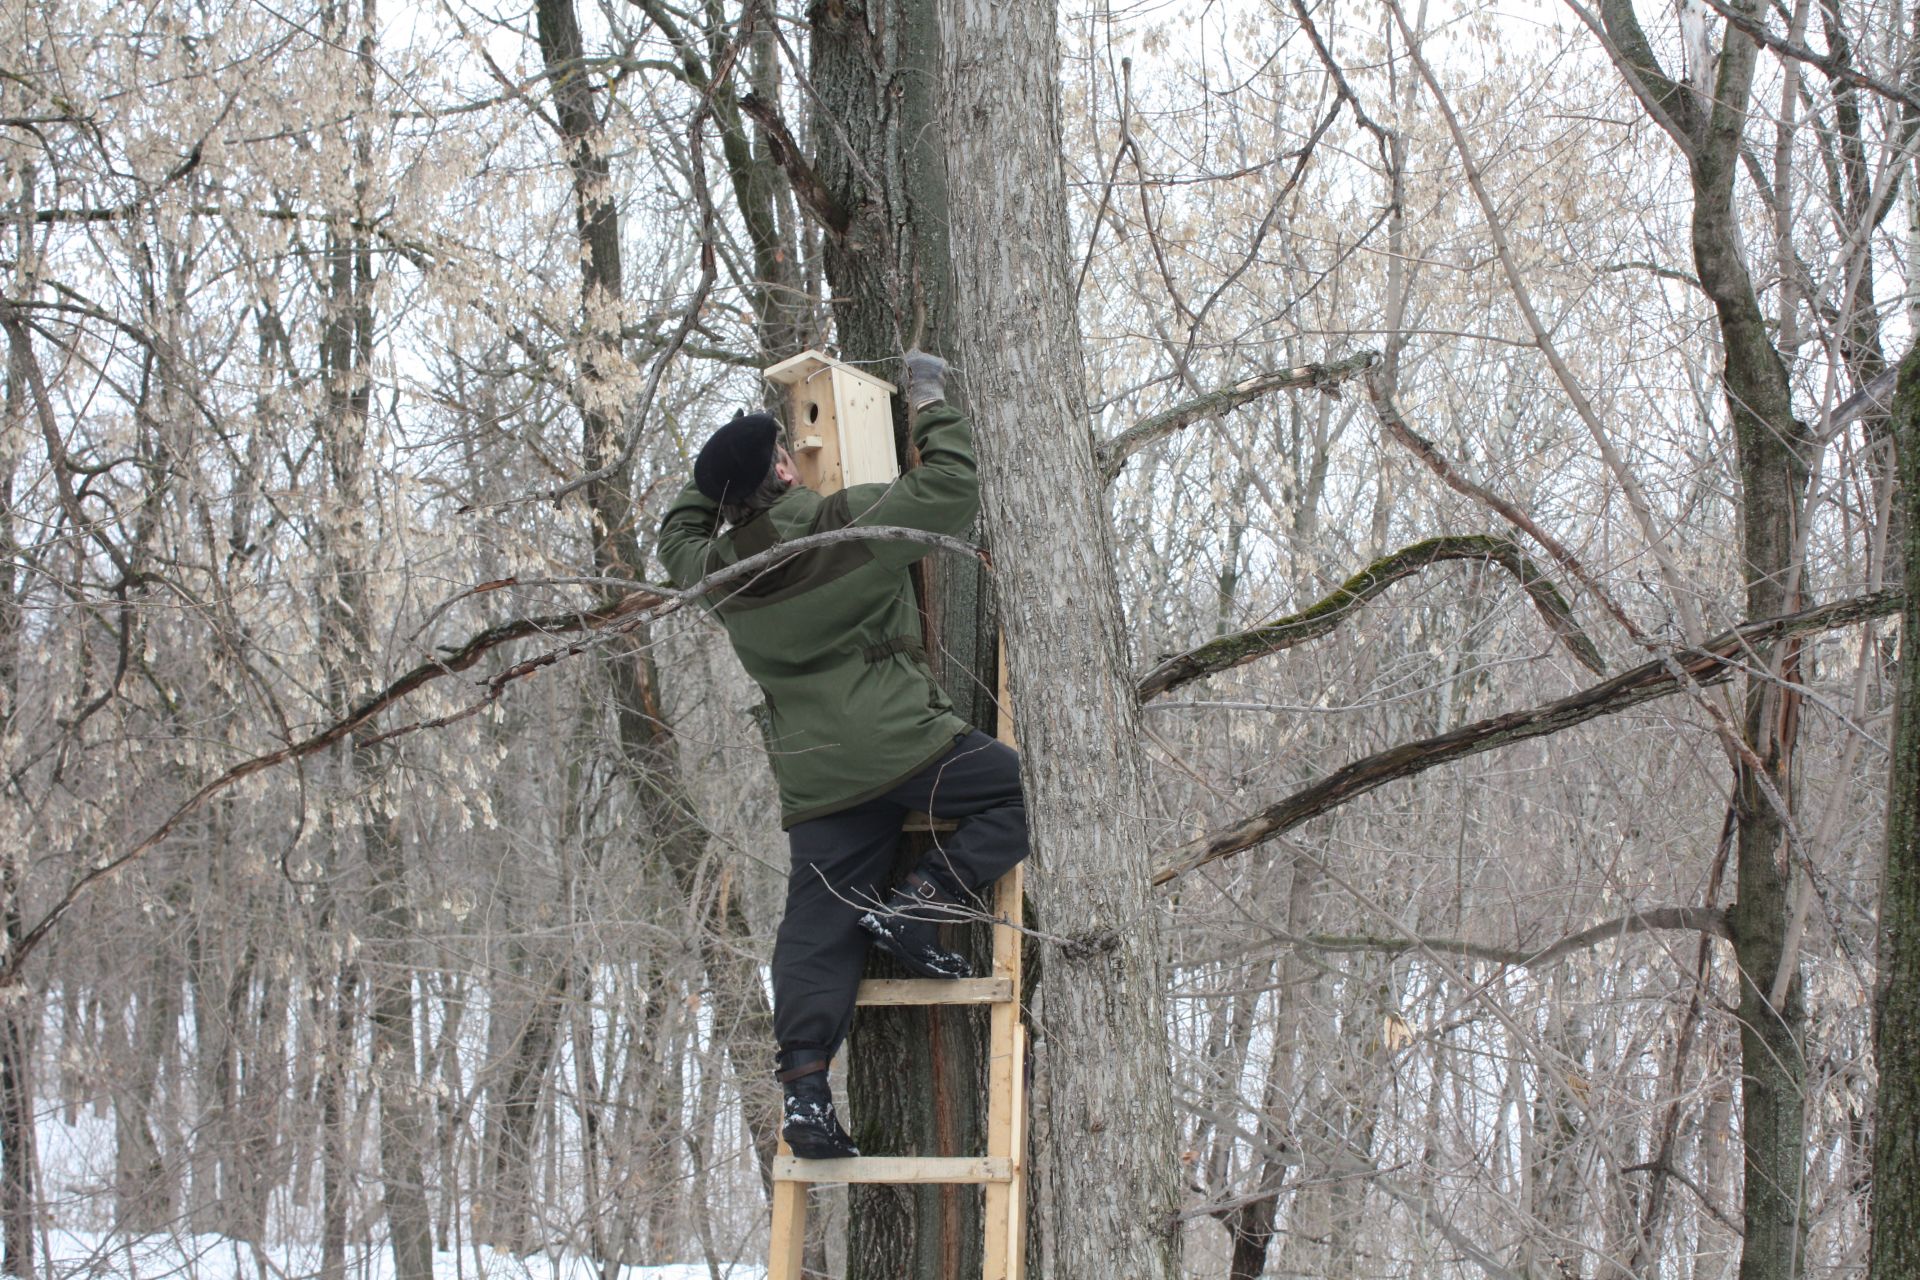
(907,928)
(808,1124)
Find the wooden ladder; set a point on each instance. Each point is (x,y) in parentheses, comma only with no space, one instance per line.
(1002,1168)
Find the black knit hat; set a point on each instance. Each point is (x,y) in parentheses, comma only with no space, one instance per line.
(737,458)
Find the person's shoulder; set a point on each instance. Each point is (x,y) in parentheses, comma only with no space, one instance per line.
(793,512)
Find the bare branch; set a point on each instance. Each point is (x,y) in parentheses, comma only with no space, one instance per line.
(1396,424)
(1669,103)
(1706,920)
(1583,406)
(807,184)
(1316,621)
(1112,454)
(1834,66)
(1687,666)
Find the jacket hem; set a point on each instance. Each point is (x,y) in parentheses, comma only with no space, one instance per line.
(790,820)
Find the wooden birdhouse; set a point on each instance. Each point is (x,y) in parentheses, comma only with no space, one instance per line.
(840,421)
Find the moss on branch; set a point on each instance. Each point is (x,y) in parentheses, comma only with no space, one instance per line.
(1328,613)
(1684,667)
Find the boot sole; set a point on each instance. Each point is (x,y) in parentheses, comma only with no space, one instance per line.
(809,1149)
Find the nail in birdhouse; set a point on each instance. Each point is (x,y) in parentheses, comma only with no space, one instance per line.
(840,422)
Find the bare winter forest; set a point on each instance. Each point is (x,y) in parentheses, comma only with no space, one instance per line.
(1441,485)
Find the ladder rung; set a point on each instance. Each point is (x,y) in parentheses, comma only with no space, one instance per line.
(924,822)
(894,1169)
(896,991)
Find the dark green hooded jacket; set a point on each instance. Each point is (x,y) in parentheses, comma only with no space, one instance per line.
(832,636)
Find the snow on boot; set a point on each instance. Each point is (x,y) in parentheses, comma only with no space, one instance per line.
(808,1125)
(907,928)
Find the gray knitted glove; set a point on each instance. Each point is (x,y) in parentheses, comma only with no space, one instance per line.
(926,377)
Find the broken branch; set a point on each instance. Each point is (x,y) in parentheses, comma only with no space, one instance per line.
(644,603)
(807,184)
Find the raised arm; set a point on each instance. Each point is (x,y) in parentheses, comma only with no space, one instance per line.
(941,495)
(685,534)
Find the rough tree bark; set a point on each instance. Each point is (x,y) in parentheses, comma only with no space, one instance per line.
(1106,1175)
(1895,1249)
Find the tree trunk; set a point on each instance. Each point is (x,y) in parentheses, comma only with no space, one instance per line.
(19,1017)
(649,757)
(1251,1225)
(349,649)
(516,1101)
(257,1160)
(19,1005)
(403,1128)
(1895,1249)
(1772,449)
(144,1187)
(1107,1179)
(334,1028)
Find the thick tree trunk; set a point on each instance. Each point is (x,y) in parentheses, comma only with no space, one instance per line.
(914,1076)
(1895,1250)
(1107,1185)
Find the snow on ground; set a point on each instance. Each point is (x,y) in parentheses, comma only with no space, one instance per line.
(82,1255)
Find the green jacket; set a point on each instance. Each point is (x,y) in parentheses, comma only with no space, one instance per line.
(832,635)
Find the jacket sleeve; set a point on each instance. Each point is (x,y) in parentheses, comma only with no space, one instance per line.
(685,534)
(941,495)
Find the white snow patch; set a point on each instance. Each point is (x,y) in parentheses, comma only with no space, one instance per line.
(84,1255)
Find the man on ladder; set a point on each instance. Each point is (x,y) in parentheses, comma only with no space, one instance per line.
(858,731)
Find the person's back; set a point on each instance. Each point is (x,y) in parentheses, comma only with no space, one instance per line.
(832,635)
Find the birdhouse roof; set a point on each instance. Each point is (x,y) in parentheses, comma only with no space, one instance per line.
(795,369)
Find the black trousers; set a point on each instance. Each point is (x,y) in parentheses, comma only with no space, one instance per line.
(841,868)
